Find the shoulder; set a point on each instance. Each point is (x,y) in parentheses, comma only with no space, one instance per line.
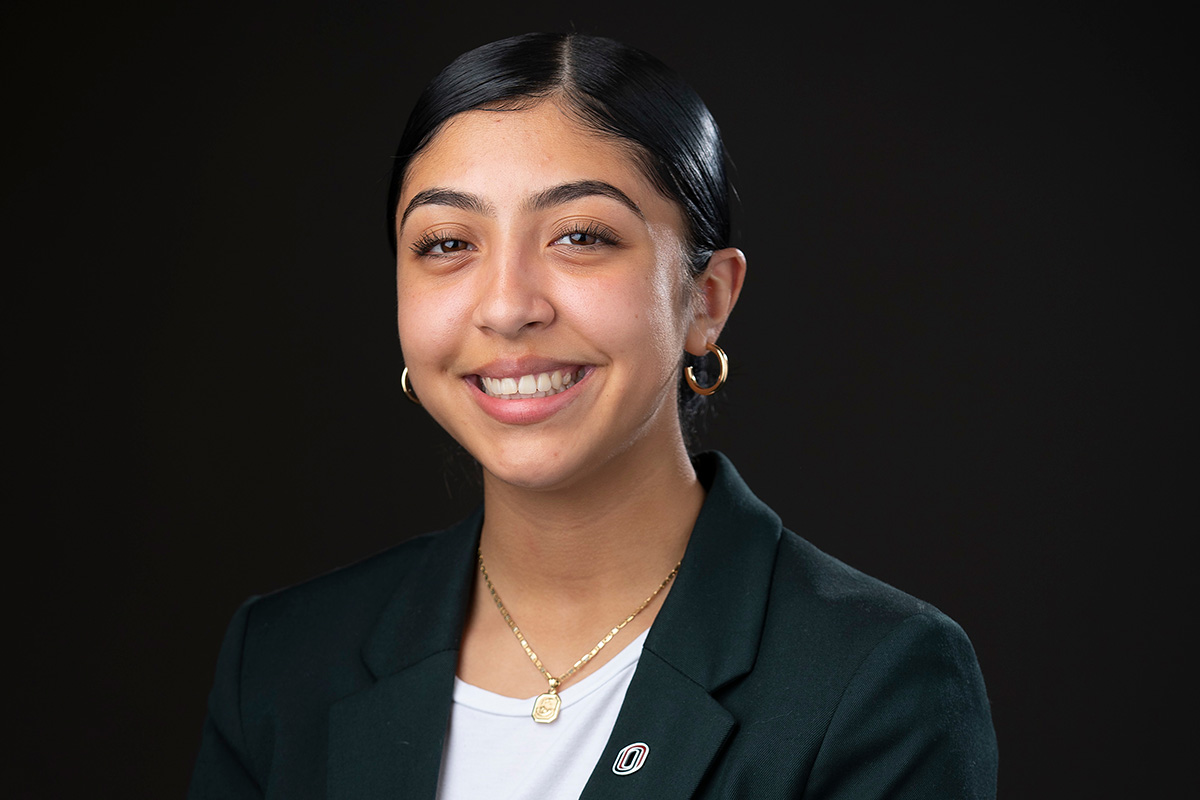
(378,614)
(835,599)
(888,679)
(341,598)
(317,636)
(314,628)
(840,621)
(818,616)
(286,658)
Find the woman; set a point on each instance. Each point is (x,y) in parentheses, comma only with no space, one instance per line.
(619,619)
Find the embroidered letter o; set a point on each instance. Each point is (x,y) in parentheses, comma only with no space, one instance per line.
(631,758)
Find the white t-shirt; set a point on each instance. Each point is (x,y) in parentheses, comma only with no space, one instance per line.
(495,750)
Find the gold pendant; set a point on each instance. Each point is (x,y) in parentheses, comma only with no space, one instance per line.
(545,707)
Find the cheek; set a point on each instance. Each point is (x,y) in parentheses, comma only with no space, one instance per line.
(671,281)
(669,284)
(429,319)
(638,319)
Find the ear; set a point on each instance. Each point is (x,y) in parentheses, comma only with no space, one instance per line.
(718,287)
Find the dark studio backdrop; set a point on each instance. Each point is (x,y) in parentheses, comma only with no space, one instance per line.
(958,360)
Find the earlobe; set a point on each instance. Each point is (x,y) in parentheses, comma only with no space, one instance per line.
(719,286)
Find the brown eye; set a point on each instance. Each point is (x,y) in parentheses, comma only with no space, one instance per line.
(440,246)
(438,243)
(592,235)
(582,238)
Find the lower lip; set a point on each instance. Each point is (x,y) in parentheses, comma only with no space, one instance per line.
(528,411)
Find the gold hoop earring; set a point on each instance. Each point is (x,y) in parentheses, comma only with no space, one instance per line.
(690,376)
(406,385)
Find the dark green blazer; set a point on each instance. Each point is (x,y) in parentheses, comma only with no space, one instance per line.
(772,670)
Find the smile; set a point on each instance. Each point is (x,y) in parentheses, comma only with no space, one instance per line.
(524,387)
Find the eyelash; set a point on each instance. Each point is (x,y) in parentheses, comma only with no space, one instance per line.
(603,235)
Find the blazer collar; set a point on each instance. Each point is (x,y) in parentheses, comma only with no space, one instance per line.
(710,624)
(426,614)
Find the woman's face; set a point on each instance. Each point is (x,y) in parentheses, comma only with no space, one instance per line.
(541,296)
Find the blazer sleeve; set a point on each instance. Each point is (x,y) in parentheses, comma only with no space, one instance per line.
(913,722)
(223,767)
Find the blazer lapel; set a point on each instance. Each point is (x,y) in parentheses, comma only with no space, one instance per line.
(386,740)
(680,725)
(706,635)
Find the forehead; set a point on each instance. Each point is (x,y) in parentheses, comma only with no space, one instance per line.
(510,153)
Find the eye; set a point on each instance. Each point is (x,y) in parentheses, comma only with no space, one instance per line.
(590,235)
(581,238)
(449,246)
(439,244)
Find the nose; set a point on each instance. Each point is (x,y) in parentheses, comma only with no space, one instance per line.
(513,297)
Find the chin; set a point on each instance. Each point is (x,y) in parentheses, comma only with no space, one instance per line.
(535,473)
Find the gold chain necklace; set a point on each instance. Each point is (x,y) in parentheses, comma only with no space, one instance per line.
(545,707)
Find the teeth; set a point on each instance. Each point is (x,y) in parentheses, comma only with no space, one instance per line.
(540,385)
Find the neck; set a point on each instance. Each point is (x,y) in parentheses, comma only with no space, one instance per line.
(572,562)
(615,534)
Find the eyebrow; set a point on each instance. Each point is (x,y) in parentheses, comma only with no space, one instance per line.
(547,198)
(566,192)
(446,197)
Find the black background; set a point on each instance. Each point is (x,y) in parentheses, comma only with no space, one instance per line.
(959,360)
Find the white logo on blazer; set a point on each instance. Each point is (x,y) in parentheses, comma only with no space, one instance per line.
(631,758)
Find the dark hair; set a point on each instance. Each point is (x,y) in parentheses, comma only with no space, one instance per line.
(617,91)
